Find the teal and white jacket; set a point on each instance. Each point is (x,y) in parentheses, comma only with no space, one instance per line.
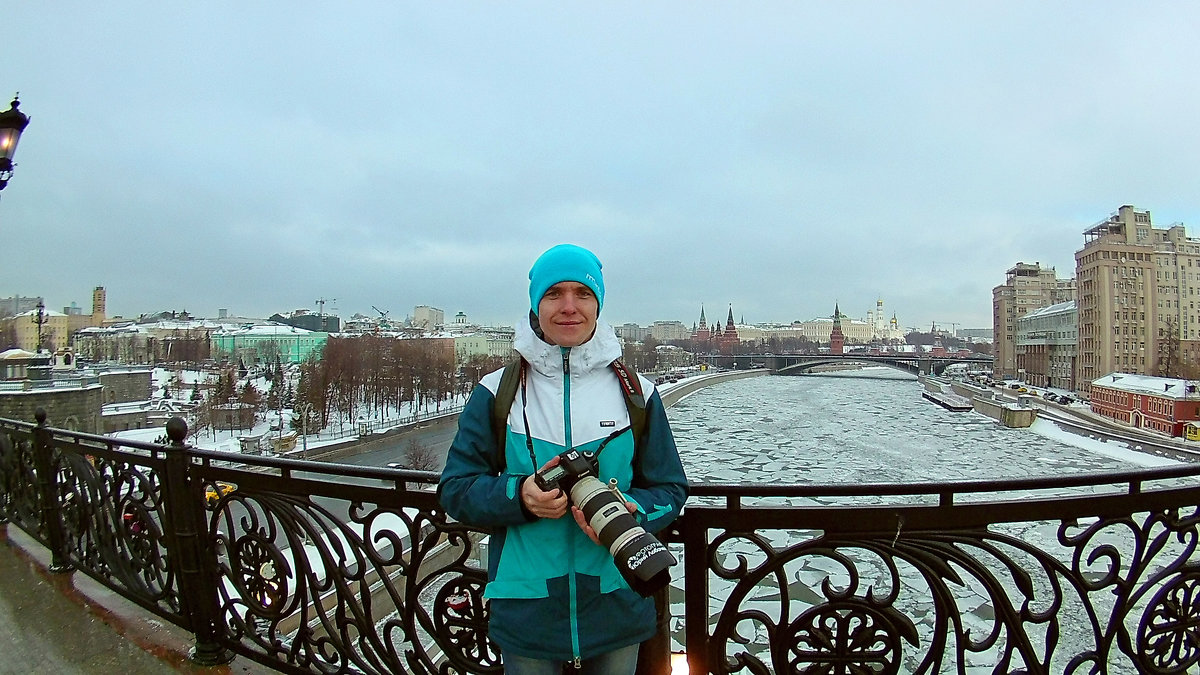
(554,594)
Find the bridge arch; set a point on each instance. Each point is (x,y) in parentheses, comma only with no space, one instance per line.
(798,363)
(806,367)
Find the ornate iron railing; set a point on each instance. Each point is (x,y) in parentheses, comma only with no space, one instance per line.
(324,568)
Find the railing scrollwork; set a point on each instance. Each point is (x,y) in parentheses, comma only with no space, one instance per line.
(323,568)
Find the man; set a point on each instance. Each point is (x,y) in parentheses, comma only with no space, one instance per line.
(556,596)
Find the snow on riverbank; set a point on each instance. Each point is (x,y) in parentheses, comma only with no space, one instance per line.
(1115,449)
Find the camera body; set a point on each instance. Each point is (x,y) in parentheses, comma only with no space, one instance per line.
(640,557)
(572,465)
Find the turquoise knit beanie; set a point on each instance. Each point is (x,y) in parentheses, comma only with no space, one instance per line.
(565,262)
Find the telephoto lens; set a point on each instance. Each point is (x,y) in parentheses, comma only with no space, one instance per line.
(640,557)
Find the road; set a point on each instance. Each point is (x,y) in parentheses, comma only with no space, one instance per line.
(434,436)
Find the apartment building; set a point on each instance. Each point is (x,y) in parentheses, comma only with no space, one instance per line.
(428,317)
(1138,288)
(484,342)
(631,332)
(51,328)
(1046,346)
(1026,287)
(665,331)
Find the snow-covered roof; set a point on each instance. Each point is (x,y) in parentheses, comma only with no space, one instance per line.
(1067,306)
(1165,387)
(829,319)
(15,353)
(270,329)
(112,330)
(193,324)
(45,312)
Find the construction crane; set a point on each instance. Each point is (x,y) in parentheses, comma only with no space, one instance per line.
(953,327)
(383,316)
(321,305)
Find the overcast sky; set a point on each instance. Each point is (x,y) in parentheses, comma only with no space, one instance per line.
(776,156)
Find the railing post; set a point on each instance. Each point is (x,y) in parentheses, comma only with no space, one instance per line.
(695,592)
(47,478)
(654,656)
(195,559)
(8,466)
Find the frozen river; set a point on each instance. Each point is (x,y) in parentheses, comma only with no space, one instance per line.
(873,426)
(867,426)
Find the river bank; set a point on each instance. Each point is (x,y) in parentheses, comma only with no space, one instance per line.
(671,394)
(675,392)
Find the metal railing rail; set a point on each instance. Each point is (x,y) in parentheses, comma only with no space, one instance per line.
(313,567)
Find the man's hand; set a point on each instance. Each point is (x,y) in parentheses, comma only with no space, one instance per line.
(540,503)
(587,529)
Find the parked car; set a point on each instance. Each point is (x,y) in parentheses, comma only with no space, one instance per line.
(213,493)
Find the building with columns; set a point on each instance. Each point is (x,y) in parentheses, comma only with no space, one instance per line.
(1026,287)
(1046,346)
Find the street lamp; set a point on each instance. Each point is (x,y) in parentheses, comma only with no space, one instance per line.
(40,320)
(304,413)
(12,123)
(232,404)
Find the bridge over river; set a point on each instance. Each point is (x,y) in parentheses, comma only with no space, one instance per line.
(797,364)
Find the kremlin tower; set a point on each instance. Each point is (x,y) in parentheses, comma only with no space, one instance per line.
(729,337)
(837,340)
(701,334)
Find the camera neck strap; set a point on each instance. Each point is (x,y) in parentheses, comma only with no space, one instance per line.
(525,419)
(529,434)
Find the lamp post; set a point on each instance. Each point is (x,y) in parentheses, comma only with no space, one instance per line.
(304,413)
(40,320)
(232,404)
(12,123)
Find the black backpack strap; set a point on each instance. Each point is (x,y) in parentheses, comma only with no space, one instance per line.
(506,393)
(635,400)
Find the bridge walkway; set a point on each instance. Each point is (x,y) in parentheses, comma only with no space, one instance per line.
(67,624)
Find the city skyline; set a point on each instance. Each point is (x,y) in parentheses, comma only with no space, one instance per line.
(86,308)
(392,154)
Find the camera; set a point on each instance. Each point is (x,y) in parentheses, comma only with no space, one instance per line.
(640,557)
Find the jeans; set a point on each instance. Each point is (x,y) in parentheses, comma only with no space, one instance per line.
(622,661)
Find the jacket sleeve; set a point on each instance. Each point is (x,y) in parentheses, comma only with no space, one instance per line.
(471,488)
(659,486)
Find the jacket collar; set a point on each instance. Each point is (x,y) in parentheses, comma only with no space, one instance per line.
(596,353)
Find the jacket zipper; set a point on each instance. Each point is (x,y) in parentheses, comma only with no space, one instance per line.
(567,441)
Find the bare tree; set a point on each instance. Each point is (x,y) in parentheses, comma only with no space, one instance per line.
(1169,361)
(8,334)
(419,457)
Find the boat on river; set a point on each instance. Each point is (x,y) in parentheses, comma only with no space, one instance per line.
(952,402)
